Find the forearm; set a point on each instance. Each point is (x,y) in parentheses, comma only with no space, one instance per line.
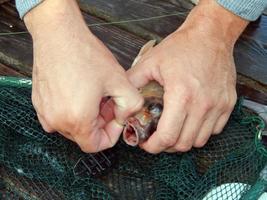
(214,21)
(55,17)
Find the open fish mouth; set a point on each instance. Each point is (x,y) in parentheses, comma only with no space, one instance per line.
(130,135)
(135,133)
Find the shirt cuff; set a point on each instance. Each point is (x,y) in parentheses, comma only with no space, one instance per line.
(247,9)
(24,6)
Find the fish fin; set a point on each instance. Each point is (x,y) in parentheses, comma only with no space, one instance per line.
(195,1)
(146,48)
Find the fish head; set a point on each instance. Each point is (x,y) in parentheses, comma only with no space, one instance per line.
(139,127)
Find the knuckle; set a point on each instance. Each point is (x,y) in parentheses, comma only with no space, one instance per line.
(185,144)
(183,147)
(200,142)
(207,105)
(232,102)
(217,131)
(46,129)
(187,97)
(184,92)
(221,105)
(60,119)
(35,102)
(88,148)
(151,151)
(71,119)
(167,141)
(51,120)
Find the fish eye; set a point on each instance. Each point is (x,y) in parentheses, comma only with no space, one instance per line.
(155,108)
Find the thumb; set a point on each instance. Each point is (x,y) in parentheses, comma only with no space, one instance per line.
(138,75)
(127,99)
(142,73)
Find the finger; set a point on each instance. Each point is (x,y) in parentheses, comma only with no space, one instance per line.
(190,130)
(66,135)
(218,128)
(113,130)
(49,129)
(225,116)
(98,138)
(143,72)
(207,129)
(139,76)
(169,125)
(44,124)
(126,97)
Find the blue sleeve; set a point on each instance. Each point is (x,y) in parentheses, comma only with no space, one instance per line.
(247,9)
(24,6)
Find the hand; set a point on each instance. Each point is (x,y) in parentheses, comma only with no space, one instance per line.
(72,72)
(196,68)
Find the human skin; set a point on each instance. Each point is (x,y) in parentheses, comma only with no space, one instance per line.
(72,72)
(195,66)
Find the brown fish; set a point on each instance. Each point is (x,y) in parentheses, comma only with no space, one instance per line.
(139,127)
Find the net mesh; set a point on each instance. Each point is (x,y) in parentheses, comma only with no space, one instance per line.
(36,165)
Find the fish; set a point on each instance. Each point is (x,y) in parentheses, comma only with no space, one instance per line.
(195,2)
(139,127)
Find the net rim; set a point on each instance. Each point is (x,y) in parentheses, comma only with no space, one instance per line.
(15,81)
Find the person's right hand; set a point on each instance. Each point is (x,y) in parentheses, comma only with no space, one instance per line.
(72,72)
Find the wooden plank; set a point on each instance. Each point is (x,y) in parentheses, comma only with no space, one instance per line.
(250,51)
(252,94)
(123,44)
(121,10)
(244,80)
(10,8)
(16,50)
(3,1)
(7,71)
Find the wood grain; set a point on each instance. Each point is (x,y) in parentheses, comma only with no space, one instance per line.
(3,1)
(250,51)
(251,93)
(117,10)
(16,50)
(7,71)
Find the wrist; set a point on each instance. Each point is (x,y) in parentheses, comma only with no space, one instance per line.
(53,16)
(215,22)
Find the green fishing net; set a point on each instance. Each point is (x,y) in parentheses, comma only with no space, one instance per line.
(36,165)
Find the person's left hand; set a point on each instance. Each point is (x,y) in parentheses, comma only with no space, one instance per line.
(196,68)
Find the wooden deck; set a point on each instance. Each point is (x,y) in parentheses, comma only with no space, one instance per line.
(124,39)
